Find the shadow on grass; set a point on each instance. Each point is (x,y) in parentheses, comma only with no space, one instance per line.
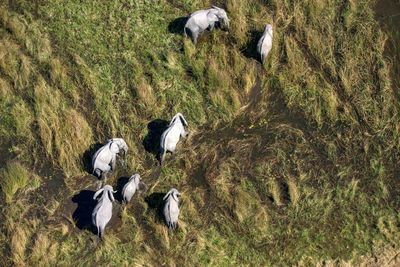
(151,142)
(83,213)
(88,155)
(176,26)
(285,193)
(250,49)
(156,203)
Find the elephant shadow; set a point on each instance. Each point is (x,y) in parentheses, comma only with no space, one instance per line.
(83,214)
(88,155)
(122,181)
(156,203)
(250,49)
(176,26)
(151,142)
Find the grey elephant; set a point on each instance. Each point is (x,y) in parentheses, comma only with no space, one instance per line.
(204,19)
(104,159)
(264,45)
(170,137)
(102,213)
(171,208)
(134,184)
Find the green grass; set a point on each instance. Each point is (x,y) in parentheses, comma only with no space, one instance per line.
(290,163)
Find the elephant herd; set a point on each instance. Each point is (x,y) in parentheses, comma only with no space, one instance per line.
(104,160)
(104,163)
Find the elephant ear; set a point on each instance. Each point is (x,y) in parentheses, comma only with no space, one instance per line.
(270,29)
(173,120)
(184,122)
(114,147)
(133,178)
(111,196)
(212,16)
(166,196)
(137,179)
(174,196)
(122,145)
(98,193)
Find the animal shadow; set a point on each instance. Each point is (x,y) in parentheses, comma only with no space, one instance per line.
(156,203)
(88,155)
(176,26)
(83,214)
(155,129)
(120,185)
(250,49)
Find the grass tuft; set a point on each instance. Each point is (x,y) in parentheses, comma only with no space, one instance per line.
(19,242)
(294,193)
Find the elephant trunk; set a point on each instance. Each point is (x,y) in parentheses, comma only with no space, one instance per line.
(162,155)
(225,24)
(123,156)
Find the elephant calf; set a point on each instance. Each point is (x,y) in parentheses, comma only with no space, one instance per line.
(264,45)
(134,184)
(201,20)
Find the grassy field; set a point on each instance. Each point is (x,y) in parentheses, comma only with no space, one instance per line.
(292,163)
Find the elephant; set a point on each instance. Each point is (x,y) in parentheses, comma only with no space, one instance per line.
(201,20)
(171,208)
(104,159)
(265,43)
(134,184)
(102,213)
(170,137)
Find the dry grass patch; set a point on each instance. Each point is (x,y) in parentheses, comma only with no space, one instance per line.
(44,251)
(19,241)
(13,177)
(28,34)
(23,119)
(145,93)
(9,58)
(244,205)
(294,193)
(275,191)
(239,21)
(64,132)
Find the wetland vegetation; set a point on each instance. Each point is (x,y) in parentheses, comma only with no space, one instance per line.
(295,162)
